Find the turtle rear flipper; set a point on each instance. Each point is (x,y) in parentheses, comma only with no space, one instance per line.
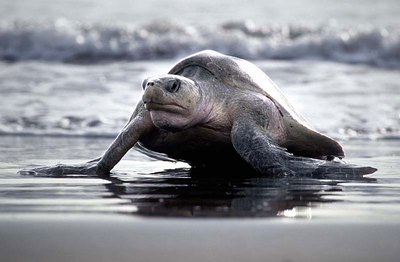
(306,141)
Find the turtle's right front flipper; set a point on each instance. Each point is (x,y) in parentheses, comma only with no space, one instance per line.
(139,124)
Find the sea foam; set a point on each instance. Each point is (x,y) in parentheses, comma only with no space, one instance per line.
(68,41)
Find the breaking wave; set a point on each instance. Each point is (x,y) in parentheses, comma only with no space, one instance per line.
(69,41)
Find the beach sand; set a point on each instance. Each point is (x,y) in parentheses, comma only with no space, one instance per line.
(124,238)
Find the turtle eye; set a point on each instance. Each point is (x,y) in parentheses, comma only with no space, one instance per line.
(173,85)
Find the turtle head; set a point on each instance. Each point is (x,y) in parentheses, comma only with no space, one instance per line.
(174,102)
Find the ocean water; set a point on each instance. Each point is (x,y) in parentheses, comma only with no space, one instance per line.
(70,75)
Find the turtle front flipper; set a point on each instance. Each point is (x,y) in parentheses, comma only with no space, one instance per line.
(253,144)
(138,126)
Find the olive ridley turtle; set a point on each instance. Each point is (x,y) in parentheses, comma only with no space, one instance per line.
(214,110)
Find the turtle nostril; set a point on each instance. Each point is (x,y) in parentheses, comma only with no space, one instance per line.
(146,83)
(173,85)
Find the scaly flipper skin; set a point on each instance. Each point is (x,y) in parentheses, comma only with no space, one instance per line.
(138,125)
(255,146)
(88,168)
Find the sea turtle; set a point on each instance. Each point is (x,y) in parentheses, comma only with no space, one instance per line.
(214,110)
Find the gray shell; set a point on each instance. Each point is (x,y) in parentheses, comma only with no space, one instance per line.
(235,72)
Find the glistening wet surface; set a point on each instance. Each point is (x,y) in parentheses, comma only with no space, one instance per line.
(141,186)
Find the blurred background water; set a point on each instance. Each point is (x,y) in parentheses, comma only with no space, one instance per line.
(70,74)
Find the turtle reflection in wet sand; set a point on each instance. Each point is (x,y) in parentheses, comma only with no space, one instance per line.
(218,111)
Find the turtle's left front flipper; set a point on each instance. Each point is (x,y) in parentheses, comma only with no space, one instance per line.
(254,145)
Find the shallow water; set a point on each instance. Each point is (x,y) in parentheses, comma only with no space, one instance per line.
(142,186)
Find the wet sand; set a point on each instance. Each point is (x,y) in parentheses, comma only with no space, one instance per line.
(99,238)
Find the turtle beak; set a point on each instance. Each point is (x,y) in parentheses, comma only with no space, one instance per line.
(146,98)
(151,93)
